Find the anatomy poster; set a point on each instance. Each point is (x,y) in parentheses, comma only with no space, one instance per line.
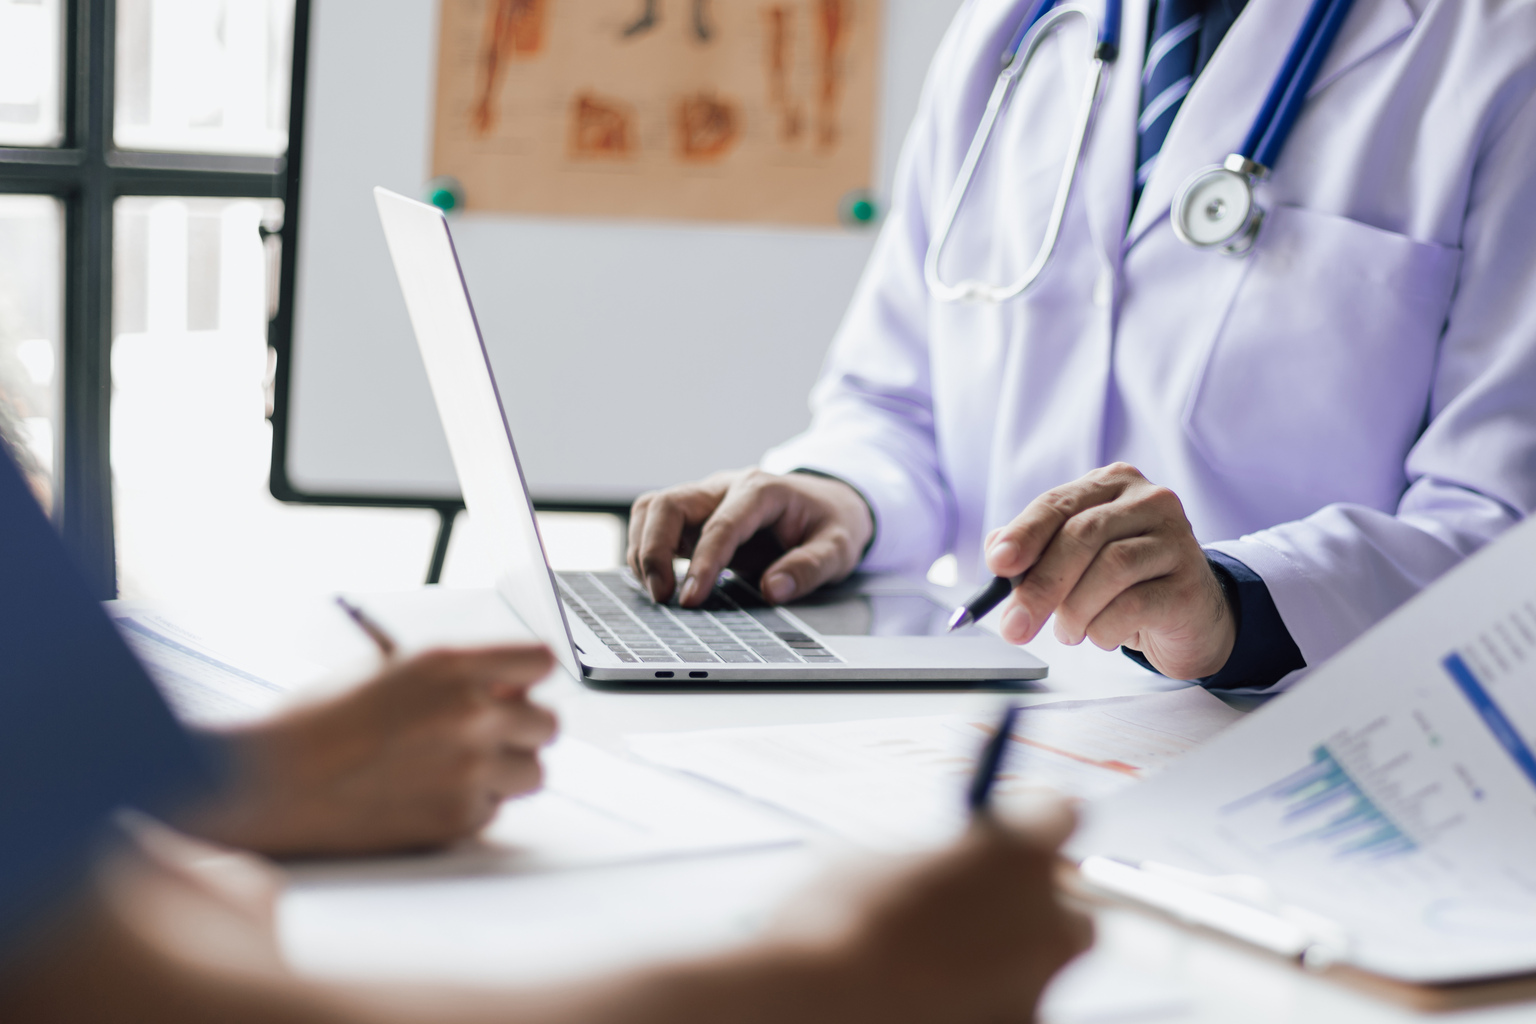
(724,110)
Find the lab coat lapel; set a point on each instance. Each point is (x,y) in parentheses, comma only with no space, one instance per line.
(1221,106)
(1364,35)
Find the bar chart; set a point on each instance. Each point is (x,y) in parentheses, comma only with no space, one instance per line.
(1321,805)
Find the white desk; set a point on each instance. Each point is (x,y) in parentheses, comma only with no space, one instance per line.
(491,930)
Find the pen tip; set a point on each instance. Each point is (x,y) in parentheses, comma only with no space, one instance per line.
(962,617)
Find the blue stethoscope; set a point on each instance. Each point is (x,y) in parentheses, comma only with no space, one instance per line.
(1214,209)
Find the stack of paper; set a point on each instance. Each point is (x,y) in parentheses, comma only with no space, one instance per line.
(201,687)
(899,783)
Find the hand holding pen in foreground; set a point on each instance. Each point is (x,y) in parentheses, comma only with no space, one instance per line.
(421,755)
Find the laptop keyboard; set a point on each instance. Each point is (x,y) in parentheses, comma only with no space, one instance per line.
(638,630)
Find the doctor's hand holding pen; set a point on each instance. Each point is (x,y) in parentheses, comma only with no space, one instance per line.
(1113,556)
(419,756)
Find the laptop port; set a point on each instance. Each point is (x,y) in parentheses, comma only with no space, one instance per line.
(698,675)
(663,675)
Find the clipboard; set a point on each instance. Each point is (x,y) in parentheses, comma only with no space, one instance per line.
(1374,823)
(1306,940)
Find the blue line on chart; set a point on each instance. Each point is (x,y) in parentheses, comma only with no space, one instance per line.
(135,626)
(1493,716)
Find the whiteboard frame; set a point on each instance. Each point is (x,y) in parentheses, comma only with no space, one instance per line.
(281,333)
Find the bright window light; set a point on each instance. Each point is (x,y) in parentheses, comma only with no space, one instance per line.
(31,73)
(204,76)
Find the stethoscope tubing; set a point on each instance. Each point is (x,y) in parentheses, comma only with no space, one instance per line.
(979,291)
(1288,93)
(1108,47)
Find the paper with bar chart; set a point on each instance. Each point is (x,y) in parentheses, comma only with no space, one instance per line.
(1394,791)
(899,783)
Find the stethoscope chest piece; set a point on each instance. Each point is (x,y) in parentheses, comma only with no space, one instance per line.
(1215,209)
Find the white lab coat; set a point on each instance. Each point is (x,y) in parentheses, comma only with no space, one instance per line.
(1350,410)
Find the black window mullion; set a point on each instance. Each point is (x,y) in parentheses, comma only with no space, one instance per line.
(84,483)
(84,487)
(202,184)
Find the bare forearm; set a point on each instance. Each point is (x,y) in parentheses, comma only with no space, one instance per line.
(92,965)
(106,975)
(248,812)
(759,986)
(972,936)
(142,945)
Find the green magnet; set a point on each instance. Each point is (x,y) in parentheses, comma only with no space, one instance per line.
(445,193)
(858,209)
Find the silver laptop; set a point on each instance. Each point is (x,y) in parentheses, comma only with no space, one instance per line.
(601,625)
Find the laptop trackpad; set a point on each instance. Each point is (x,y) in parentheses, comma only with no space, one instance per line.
(979,650)
(901,630)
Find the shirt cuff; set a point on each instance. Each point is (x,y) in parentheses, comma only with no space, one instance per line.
(1263,652)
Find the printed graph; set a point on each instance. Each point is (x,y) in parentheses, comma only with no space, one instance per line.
(1320,806)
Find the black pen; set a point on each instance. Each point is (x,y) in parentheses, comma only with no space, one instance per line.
(983,601)
(991,762)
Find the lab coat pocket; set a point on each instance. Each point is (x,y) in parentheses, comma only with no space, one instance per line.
(1319,378)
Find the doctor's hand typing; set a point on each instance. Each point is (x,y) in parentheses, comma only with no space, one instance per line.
(823,523)
(419,756)
(1114,557)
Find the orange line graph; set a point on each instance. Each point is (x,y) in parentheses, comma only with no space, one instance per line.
(1112,766)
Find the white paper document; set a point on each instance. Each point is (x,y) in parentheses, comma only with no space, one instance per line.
(594,808)
(899,783)
(201,687)
(508,909)
(1393,792)
(598,808)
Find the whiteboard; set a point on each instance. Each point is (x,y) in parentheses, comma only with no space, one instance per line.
(630,355)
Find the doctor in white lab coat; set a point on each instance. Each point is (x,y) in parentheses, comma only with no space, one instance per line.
(1347,412)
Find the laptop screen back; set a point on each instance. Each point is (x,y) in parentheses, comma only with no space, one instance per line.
(464,387)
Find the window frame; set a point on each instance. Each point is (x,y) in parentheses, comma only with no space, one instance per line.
(88,173)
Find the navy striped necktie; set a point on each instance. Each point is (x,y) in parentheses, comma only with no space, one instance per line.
(1166,76)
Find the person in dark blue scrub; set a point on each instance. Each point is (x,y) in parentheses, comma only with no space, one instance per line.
(102,923)
(82,730)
